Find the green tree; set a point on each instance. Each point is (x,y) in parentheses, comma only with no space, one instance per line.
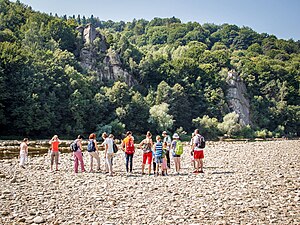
(230,124)
(160,118)
(208,126)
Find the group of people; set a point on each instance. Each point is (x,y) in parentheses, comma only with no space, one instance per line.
(155,154)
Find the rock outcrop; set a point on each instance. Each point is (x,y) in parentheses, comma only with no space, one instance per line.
(236,97)
(96,57)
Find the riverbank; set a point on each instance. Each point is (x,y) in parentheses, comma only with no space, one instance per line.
(243,183)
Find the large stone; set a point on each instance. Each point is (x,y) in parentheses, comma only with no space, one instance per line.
(38,220)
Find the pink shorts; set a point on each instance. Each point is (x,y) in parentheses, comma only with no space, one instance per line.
(147,157)
(164,164)
(198,154)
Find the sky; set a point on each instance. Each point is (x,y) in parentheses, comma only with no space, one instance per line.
(278,17)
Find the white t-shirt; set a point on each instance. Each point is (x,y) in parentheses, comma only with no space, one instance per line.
(196,140)
(109,142)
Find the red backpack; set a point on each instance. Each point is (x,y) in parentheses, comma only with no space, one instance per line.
(129,146)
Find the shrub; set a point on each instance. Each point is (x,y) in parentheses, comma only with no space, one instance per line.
(115,127)
(246,132)
(208,127)
(263,133)
(230,124)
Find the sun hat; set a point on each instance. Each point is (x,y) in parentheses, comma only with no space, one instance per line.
(164,132)
(175,136)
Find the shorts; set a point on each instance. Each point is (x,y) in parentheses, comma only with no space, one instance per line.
(147,157)
(174,155)
(158,159)
(198,154)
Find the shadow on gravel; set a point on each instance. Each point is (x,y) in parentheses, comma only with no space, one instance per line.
(212,167)
(224,172)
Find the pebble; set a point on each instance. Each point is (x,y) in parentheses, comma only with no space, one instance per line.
(6,192)
(38,220)
(13,180)
(21,220)
(50,217)
(32,213)
(5,213)
(243,183)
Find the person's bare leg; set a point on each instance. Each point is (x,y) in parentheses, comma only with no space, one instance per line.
(149,169)
(143,168)
(176,164)
(201,165)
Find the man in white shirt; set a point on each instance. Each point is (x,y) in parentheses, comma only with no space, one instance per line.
(109,152)
(198,152)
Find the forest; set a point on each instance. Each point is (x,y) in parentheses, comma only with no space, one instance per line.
(179,69)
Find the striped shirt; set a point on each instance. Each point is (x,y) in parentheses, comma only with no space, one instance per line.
(158,149)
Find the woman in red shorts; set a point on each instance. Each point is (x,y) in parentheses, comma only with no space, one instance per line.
(146,145)
(198,152)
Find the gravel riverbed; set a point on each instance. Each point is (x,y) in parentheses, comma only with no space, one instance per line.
(243,183)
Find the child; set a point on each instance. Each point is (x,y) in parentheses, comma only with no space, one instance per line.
(158,153)
(164,160)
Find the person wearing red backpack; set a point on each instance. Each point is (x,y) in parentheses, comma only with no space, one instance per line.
(128,147)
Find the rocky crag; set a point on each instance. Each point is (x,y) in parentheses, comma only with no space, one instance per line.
(236,97)
(243,183)
(96,57)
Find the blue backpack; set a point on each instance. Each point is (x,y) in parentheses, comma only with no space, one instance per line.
(91,146)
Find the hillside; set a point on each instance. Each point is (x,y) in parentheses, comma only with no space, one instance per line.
(71,75)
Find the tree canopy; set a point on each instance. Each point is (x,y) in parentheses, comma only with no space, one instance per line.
(180,69)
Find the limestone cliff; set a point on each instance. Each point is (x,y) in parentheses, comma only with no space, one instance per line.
(236,97)
(96,57)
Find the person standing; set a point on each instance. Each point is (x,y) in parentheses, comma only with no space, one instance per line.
(176,155)
(23,152)
(128,147)
(164,166)
(109,152)
(198,146)
(192,151)
(146,145)
(92,149)
(158,151)
(167,140)
(78,155)
(54,142)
